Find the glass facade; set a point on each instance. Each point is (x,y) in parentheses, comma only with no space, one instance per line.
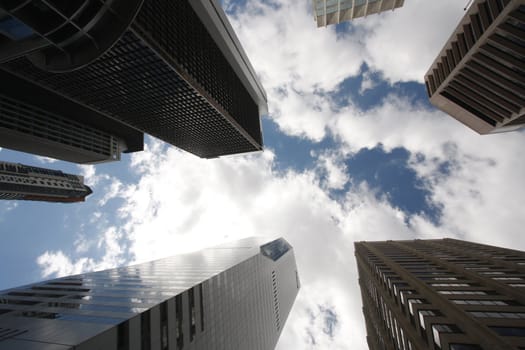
(221,298)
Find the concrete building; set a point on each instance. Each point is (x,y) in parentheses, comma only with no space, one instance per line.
(479,75)
(108,72)
(234,296)
(23,182)
(442,294)
(336,11)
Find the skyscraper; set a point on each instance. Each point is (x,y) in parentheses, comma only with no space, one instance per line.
(336,11)
(234,296)
(442,294)
(18,181)
(478,77)
(109,71)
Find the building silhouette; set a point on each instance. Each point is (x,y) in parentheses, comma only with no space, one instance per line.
(83,80)
(442,294)
(478,77)
(234,296)
(23,182)
(336,11)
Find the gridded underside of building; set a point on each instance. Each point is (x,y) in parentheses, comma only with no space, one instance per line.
(342,10)
(165,77)
(219,298)
(481,69)
(442,294)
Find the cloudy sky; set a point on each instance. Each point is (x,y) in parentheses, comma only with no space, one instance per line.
(353,152)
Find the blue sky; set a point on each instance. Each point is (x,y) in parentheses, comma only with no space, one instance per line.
(353,152)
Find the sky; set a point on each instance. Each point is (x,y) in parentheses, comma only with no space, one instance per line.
(353,151)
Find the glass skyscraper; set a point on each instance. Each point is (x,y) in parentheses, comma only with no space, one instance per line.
(233,296)
(442,294)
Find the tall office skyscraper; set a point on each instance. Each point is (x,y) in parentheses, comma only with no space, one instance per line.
(83,79)
(234,296)
(336,11)
(479,77)
(442,294)
(18,181)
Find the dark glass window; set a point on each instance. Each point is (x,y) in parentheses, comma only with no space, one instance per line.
(145,330)
(191,301)
(465,347)
(509,331)
(275,249)
(164,325)
(123,336)
(178,318)
(201,302)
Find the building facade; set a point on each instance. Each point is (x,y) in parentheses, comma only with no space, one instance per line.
(336,11)
(442,294)
(479,77)
(234,296)
(171,69)
(23,182)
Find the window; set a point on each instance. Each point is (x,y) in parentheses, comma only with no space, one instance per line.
(423,313)
(494,314)
(178,320)
(509,331)
(123,336)
(471,292)
(164,326)
(450,284)
(412,302)
(201,304)
(479,302)
(145,330)
(191,301)
(507,278)
(456,346)
(403,294)
(437,329)
(491,273)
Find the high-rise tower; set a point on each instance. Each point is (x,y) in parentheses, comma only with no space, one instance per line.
(82,76)
(23,182)
(336,11)
(479,77)
(233,296)
(442,294)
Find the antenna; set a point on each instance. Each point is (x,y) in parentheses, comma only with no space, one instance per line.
(467,5)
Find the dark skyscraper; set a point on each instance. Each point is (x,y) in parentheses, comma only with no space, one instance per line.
(172,69)
(479,77)
(25,182)
(233,296)
(442,294)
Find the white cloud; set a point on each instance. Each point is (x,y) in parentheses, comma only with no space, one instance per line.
(45,160)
